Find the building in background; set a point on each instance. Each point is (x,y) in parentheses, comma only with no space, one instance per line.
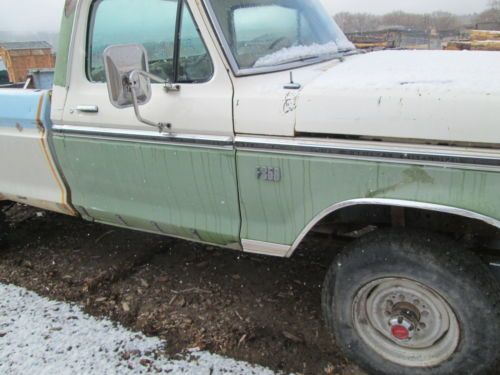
(476,40)
(20,57)
(403,38)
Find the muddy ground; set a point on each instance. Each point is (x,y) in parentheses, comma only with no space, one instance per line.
(259,309)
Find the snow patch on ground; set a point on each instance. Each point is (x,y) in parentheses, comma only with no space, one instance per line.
(293,53)
(40,336)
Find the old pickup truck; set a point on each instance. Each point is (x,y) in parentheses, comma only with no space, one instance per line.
(247,124)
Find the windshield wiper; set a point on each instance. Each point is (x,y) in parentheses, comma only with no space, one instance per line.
(299,59)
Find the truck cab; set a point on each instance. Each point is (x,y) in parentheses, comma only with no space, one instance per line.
(246,124)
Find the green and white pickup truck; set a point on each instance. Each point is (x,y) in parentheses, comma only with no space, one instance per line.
(249,123)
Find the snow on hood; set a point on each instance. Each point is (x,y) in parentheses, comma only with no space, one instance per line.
(478,71)
(431,95)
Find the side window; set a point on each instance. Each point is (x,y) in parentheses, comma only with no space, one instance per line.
(152,23)
(195,64)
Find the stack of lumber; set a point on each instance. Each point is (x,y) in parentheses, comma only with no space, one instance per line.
(479,40)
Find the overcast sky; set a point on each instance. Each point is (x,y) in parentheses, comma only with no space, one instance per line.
(30,15)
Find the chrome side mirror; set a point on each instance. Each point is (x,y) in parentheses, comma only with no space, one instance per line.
(119,62)
(129,81)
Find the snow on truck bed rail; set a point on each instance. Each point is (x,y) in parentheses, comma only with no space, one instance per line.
(40,336)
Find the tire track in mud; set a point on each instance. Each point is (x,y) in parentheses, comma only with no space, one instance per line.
(257,309)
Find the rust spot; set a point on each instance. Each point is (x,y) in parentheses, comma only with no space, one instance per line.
(290,103)
(410,176)
(38,120)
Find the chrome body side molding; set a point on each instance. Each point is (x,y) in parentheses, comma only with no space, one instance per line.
(394,203)
(150,136)
(457,157)
(467,158)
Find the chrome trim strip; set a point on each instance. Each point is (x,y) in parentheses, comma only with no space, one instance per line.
(127,135)
(467,158)
(375,151)
(265,248)
(390,202)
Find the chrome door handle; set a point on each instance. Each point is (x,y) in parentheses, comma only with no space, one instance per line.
(87,108)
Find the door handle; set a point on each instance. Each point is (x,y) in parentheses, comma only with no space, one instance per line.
(87,108)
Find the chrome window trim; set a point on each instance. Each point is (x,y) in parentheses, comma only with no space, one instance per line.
(238,72)
(390,202)
(146,136)
(415,154)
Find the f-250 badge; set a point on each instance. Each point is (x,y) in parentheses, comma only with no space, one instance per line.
(269,174)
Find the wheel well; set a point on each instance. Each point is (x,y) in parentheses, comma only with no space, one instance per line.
(353,221)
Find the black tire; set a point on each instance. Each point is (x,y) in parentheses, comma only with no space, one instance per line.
(456,274)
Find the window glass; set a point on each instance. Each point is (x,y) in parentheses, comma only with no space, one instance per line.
(195,64)
(147,22)
(264,33)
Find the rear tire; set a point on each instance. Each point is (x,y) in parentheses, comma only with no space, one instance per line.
(411,303)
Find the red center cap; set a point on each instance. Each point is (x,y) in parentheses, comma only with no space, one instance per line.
(400,332)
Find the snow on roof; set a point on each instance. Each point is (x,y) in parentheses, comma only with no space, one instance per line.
(40,336)
(10,46)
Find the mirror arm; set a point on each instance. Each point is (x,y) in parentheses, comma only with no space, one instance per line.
(161,126)
(167,85)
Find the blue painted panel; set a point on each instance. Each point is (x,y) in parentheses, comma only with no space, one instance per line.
(20,108)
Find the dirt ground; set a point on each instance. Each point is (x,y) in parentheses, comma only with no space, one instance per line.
(259,309)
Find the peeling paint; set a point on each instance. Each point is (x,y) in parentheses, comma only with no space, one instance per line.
(176,190)
(24,126)
(409,176)
(278,213)
(290,103)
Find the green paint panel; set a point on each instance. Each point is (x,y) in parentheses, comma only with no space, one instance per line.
(277,212)
(65,33)
(174,190)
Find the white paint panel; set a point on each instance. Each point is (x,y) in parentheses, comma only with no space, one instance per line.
(432,95)
(27,175)
(265,248)
(263,106)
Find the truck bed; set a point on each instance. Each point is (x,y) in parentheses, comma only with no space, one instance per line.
(28,173)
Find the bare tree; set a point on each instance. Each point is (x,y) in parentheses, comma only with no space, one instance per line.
(495,4)
(491,15)
(362,22)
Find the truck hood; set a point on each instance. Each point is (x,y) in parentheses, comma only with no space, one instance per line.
(438,96)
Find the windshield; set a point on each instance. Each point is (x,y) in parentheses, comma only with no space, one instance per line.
(269,33)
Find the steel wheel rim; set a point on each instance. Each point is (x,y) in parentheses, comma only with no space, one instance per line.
(405,322)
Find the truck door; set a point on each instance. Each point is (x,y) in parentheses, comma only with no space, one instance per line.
(125,173)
